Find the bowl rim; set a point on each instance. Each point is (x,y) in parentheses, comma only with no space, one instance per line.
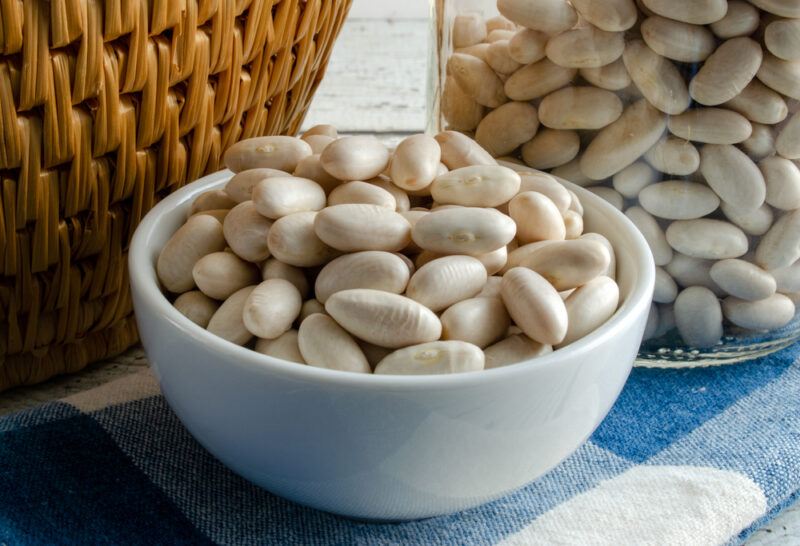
(143,280)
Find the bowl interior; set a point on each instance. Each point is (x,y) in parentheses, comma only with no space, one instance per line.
(635,277)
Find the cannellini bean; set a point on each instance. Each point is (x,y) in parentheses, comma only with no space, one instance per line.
(325,344)
(761,142)
(537,218)
(733,176)
(787,142)
(322,129)
(573,222)
(507,127)
(459,150)
(765,314)
(285,346)
(782,38)
(480,321)
(740,20)
(311,167)
(271,308)
(666,320)
(527,46)
(383,318)
(537,80)
(212,200)
(682,42)
(759,104)
(780,247)
(697,12)
(513,349)
(278,196)
(499,57)
(197,307)
(464,230)
(494,261)
(783,182)
(293,241)
(613,15)
(476,186)
(436,357)
(585,47)
(477,79)
(219,214)
(458,108)
(666,290)
(656,77)
(787,278)
(550,16)
(309,308)
(743,280)
(688,271)
(678,200)
(707,238)
(415,162)
(698,317)
(589,306)
(609,195)
(517,256)
(572,171)
(468,29)
(726,72)
(569,264)
(613,76)
(548,186)
(711,125)
(477,50)
(403,203)
(200,235)
(318,142)
(782,76)
(752,222)
(673,156)
(499,22)
(445,281)
(228,321)
(373,353)
(611,270)
(359,157)
(618,145)
(652,233)
(492,287)
(534,305)
(498,35)
(361,192)
(550,148)
(369,269)
(220,274)
(355,227)
(784,8)
(634,178)
(276,269)
(246,232)
(271,152)
(579,108)
(652,324)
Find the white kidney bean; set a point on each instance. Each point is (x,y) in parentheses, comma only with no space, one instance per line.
(752,222)
(698,317)
(759,104)
(309,308)
(780,246)
(515,348)
(783,182)
(787,143)
(476,186)
(356,227)
(271,152)
(710,125)
(279,196)
(697,12)
(546,15)
(383,318)
(197,307)
(761,142)
(358,157)
(477,79)
(228,322)
(534,305)
(634,178)
(733,176)
(459,109)
(499,58)
(436,357)
(468,29)
(688,271)
(707,238)
(743,280)
(678,200)
(652,233)
(461,151)
(784,8)
(537,218)
(276,269)
(200,235)
(551,148)
(220,274)
(464,230)
(782,76)
(445,281)
(765,314)
(271,308)
(311,167)
(285,346)
(415,162)
(568,264)
(548,186)
(589,306)
(361,192)
(609,195)
(726,72)
(613,76)
(369,269)
(480,321)
(325,344)
(651,326)
(246,232)
(656,78)
(573,222)
(740,20)
(494,261)
(537,80)
(240,187)
(585,47)
(212,200)
(787,278)
(673,156)
(682,42)
(322,129)
(293,241)
(527,46)
(782,38)
(507,127)
(612,15)
(579,108)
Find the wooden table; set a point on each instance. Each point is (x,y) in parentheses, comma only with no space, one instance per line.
(376,83)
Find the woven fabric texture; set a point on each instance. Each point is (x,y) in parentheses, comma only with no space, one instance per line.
(105,107)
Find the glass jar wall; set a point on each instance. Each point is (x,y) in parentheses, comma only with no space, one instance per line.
(685,116)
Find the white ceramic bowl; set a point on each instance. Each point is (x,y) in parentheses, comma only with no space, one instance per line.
(384,447)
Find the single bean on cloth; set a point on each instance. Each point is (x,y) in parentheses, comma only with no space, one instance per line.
(428,259)
(683,114)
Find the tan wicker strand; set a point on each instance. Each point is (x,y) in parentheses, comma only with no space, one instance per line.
(106,106)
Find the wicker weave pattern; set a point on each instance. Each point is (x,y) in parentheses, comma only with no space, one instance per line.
(105,107)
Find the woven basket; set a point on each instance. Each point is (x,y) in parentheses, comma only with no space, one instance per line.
(105,107)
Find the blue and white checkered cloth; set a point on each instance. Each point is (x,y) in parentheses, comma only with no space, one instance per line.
(686,457)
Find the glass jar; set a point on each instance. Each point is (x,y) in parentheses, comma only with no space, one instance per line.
(684,116)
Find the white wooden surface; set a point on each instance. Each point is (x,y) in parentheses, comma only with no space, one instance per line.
(376,83)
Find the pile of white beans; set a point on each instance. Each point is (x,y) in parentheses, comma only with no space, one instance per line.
(682,113)
(337,253)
